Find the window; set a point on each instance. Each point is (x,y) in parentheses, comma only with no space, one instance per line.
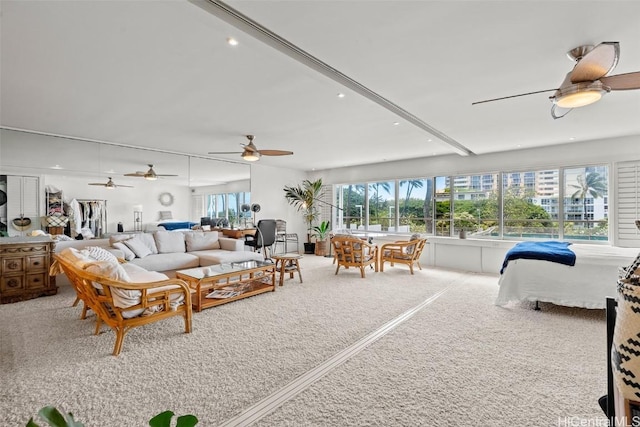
(415,206)
(382,206)
(475,209)
(229,206)
(586,203)
(565,203)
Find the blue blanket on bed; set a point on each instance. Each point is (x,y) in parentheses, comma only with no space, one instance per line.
(553,251)
(176,225)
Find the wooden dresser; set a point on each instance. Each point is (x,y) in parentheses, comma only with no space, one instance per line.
(24,268)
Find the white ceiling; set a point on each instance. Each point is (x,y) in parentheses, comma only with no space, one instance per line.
(160,74)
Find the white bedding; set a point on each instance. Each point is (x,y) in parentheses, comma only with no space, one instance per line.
(586,284)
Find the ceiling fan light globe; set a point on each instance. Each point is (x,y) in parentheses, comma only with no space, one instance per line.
(150,178)
(580,94)
(250,156)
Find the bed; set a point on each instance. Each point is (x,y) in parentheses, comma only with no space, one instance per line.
(586,284)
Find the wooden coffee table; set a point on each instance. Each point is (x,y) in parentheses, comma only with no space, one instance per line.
(223,283)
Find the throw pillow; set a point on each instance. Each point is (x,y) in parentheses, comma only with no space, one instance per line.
(138,247)
(165,215)
(169,241)
(412,248)
(128,253)
(100,254)
(119,238)
(201,241)
(149,241)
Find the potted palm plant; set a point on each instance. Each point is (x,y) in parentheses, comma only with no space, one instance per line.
(321,232)
(303,197)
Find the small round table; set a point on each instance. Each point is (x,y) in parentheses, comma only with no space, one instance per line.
(287,263)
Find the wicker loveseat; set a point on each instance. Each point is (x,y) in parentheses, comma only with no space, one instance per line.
(123,295)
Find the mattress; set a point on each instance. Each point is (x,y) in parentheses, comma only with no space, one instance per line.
(586,284)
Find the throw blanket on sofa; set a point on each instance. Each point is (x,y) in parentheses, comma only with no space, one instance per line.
(176,225)
(553,251)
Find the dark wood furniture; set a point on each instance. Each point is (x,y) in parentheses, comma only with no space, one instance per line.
(24,268)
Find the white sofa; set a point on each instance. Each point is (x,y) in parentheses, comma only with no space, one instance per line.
(168,251)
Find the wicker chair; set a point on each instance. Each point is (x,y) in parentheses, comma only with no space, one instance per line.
(148,302)
(351,251)
(403,252)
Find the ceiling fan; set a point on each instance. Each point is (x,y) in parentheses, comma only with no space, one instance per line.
(251,152)
(110,185)
(151,175)
(589,79)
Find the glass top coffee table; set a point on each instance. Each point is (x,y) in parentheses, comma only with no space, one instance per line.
(223,283)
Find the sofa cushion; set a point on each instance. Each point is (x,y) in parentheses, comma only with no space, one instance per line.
(169,242)
(128,253)
(138,247)
(200,241)
(165,262)
(220,256)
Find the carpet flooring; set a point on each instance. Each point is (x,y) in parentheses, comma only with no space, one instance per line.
(460,360)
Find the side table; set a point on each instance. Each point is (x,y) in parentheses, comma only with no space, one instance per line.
(287,263)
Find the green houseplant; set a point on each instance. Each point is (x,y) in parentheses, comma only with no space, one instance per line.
(304,197)
(55,418)
(321,232)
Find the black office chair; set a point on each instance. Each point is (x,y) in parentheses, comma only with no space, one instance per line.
(205,220)
(265,237)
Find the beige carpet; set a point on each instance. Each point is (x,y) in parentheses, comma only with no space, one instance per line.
(458,361)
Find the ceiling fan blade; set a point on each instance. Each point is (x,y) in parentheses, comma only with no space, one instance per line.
(625,81)
(513,96)
(598,62)
(98,183)
(135,174)
(225,152)
(164,174)
(275,152)
(559,112)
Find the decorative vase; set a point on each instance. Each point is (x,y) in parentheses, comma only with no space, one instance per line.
(625,350)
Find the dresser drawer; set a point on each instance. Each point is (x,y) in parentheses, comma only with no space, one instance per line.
(36,281)
(12,265)
(9,284)
(37,262)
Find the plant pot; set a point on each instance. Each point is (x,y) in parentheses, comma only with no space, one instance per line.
(309,248)
(321,247)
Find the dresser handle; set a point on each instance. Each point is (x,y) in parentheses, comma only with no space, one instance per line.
(36,263)
(36,280)
(12,283)
(13,265)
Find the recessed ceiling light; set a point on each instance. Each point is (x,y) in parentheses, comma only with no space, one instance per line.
(573,138)
(56,167)
(429,140)
(341,95)
(396,123)
(232,41)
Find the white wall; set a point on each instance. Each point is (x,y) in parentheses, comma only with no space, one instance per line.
(267,189)
(578,153)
